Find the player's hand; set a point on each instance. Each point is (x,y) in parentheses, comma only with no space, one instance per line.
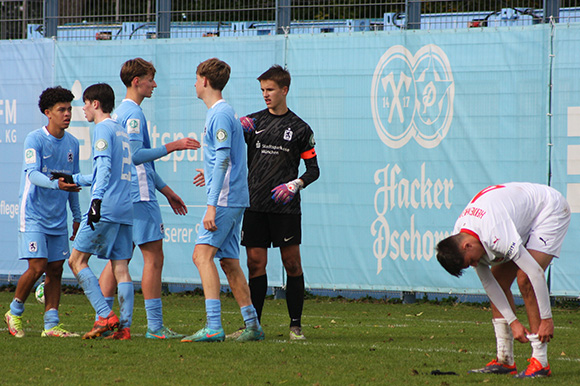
(284,193)
(248,124)
(94,213)
(177,204)
(199,179)
(68,178)
(75,230)
(209,219)
(519,332)
(186,143)
(546,330)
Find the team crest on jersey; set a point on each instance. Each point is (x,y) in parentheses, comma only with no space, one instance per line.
(133,126)
(30,156)
(258,145)
(32,246)
(221,135)
(288,134)
(101,145)
(162,229)
(70,157)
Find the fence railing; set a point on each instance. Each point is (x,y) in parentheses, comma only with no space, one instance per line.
(128,19)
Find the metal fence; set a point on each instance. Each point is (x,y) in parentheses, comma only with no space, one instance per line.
(146,19)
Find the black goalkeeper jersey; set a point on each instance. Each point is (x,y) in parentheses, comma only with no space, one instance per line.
(274,152)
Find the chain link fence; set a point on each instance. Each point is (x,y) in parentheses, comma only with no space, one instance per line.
(146,19)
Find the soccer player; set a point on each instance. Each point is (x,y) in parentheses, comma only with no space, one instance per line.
(516,229)
(277,140)
(138,76)
(227,197)
(106,230)
(43,234)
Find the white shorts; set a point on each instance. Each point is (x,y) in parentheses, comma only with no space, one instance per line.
(550,227)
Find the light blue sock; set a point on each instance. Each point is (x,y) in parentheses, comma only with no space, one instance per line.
(126,299)
(16,307)
(250,316)
(51,318)
(213,309)
(110,303)
(90,284)
(154,311)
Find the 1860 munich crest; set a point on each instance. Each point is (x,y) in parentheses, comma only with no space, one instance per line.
(412,96)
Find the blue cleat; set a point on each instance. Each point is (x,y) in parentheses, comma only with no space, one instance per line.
(163,333)
(206,334)
(251,335)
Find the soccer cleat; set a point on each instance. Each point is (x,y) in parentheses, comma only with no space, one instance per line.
(494,367)
(236,334)
(102,325)
(58,332)
(535,370)
(14,324)
(296,333)
(206,334)
(163,333)
(251,334)
(122,334)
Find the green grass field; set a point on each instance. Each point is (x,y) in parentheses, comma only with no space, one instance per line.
(349,343)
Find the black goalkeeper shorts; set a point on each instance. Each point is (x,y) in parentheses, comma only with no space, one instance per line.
(263,230)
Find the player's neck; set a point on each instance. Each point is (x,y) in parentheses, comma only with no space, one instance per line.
(211,97)
(279,110)
(134,95)
(55,130)
(100,116)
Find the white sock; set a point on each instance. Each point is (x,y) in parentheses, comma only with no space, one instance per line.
(539,349)
(504,340)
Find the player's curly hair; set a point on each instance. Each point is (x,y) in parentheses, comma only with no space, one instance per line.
(103,93)
(53,95)
(278,74)
(449,255)
(216,71)
(137,67)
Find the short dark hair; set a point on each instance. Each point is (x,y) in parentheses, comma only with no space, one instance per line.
(216,71)
(450,256)
(136,67)
(278,74)
(53,95)
(103,93)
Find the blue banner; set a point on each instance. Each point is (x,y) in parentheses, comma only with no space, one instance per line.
(408,125)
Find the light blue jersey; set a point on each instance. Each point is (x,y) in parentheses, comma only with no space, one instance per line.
(43,209)
(130,115)
(111,142)
(224,131)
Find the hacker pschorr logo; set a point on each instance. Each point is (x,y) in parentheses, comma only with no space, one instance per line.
(412,96)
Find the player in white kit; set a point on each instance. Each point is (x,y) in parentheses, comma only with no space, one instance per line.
(510,231)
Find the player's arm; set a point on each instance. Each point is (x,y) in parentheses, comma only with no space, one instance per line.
(140,154)
(174,200)
(526,262)
(43,181)
(219,173)
(75,208)
(284,193)
(499,299)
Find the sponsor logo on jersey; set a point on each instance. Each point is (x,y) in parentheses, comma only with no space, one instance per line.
(30,156)
(221,135)
(510,251)
(133,126)
(101,145)
(412,96)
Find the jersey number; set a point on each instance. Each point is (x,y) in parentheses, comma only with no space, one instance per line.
(126,162)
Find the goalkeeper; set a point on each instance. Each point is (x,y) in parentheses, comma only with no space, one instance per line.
(277,140)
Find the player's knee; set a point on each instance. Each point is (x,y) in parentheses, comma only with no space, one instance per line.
(293,268)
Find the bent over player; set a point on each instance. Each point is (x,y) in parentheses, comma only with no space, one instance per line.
(43,235)
(516,229)
(277,140)
(106,230)
(227,197)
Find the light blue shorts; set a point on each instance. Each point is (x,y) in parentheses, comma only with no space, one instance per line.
(227,236)
(38,245)
(147,222)
(109,240)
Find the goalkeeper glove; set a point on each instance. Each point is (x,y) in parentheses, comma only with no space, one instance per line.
(94,213)
(248,124)
(284,193)
(67,177)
